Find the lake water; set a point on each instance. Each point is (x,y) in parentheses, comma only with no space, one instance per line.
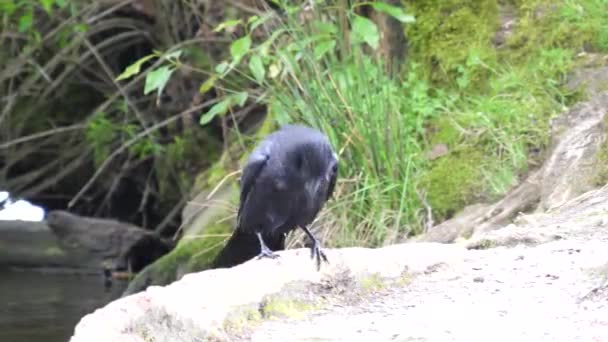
(38,307)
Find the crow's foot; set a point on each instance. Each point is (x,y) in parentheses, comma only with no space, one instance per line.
(267,253)
(317,254)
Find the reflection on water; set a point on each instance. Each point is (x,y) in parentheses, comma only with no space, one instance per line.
(36,307)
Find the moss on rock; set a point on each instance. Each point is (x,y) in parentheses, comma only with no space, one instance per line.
(453,181)
(192,254)
(446,31)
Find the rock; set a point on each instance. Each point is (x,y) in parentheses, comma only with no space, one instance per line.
(591,80)
(577,137)
(571,169)
(461,225)
(99,242)
(483,217)
(439,150)
(198,306)
(205,230)
(508,21)
(33,245)
(550,268)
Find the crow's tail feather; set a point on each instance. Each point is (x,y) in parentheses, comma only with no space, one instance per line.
(243,246)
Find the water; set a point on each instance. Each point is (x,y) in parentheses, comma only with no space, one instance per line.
(38,307)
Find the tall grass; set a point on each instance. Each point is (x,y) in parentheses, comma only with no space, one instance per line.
(375,121)
(490,107)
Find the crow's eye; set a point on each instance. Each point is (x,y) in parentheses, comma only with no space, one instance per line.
(334,168)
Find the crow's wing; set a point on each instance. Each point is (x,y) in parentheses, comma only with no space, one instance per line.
(251,171)
(332,184)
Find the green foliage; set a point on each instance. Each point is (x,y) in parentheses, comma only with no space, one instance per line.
(490,106)
(364,30)
(157,78)
(570,24)
(100,133)
(309,83)
(223,106)
(394,12)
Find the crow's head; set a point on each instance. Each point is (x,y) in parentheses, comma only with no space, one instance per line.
(314,164)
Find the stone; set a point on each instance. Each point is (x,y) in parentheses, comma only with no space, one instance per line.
(106,243)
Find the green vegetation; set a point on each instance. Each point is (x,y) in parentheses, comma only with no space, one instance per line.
(285,308)
(488,104)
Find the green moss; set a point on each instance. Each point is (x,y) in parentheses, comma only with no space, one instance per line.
(446,31)
(404,280)
(484,244)
(453,181)
(286,307)
(443,132)
(566,24)
(372,283)
(242,319)
(192,254)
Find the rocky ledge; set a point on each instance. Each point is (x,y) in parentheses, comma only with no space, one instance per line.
(544,276)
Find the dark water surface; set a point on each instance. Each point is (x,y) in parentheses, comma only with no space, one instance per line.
(38,307)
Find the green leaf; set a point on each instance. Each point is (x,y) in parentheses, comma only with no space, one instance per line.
(274,70)
(227,24)
(240,47)
(134,68)
(26,20)
(173,55)
(365,30)
(255,21)
(61,3)
(7,7)
(325,28)
(47,5)
(393,11)
(252,19)
(239,98)
(81,28)
(157,79)
(323,47)
(221,68)
(219,108)
(257,68)
(208,84)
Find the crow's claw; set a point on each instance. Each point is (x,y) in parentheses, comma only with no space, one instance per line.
(267,253)
(317,253)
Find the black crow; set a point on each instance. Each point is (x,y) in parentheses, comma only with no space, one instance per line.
(287,180)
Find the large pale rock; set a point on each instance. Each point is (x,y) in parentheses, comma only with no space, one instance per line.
(197,306)
(543,278)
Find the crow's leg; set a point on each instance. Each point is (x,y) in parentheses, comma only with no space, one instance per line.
(265,252)
(315,250)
